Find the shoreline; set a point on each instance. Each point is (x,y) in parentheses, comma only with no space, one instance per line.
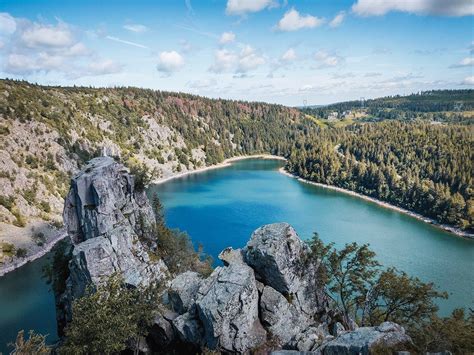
(223,164)
(227,162)
(36,255)
(431,221)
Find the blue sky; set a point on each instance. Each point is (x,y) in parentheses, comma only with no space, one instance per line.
(288,52)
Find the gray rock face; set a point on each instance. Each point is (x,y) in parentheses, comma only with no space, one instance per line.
(183,291)
(110,226)
(388,336)
(277,255)
(265,291)
(228,310)
(282,319)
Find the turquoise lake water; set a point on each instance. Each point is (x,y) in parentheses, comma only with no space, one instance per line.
(222,207)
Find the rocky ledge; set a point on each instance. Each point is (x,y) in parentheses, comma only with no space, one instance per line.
(265,297)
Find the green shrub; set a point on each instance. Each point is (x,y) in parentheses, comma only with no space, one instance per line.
(21,252)
(7,201)
(45,206)
(39,238)
(8,249)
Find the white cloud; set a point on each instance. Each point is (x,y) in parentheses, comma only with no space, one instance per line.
(466,62)
(227,37)
(293,21)
(34,47)
(338,19)
(106,66)
(202,84)
(39,35)
(249,59)
(468,81)
(289,55)
(224,60)
(244,61)
(76,50)
(7,23)
(242,7)
(420,7)
(169,62)
(135,27)
(19,64)
(327,60)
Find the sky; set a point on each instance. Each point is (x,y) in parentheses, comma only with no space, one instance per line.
(280,51)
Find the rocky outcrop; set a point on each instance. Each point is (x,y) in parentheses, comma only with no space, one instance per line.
(277,255)
(264,294)
(110,226)
(388,337)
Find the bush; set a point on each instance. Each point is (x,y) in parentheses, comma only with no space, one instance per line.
(21,252)
(45,206)
(39,238)
(35,344)
(7,201)
(104,320)
(176,248)
(7,248)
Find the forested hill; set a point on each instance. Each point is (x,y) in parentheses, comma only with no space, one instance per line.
(441,105)
(47,133)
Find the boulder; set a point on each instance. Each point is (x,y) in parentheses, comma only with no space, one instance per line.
(281,318)
(231,256)
(388,337)
(183,291)
(278,255)
(228,310)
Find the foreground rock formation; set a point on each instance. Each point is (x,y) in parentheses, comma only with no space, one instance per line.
(264,297)
(110,226)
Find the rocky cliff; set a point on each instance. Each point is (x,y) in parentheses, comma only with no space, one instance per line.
(264,297)
(110,226)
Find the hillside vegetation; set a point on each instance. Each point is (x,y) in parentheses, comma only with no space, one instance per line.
(456,106)
(47,133)
(418,166)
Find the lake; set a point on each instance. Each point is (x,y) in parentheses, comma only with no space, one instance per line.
(222,207)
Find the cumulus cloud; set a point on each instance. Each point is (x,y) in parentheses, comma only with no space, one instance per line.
(39,35)
(135,27)
(249,59)
(242,62)
(224,60)
(227,37)
(466,62)
(242,7)
(337,20)
(292,20)
(33,47)
(326,59)
(419,7)
(169,62)
(468,81)
(289,56)
(106,66)
(7,23)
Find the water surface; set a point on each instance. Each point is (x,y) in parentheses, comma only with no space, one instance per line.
(222,207)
